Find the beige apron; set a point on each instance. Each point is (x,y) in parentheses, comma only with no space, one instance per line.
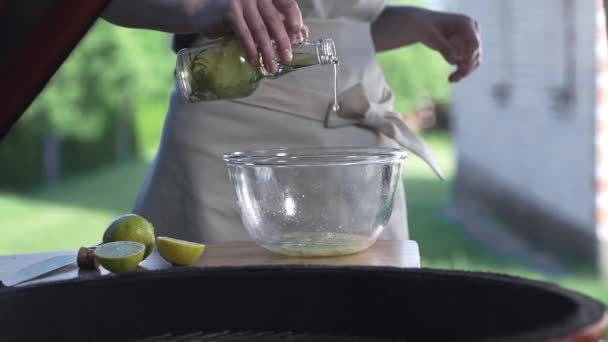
(187,193)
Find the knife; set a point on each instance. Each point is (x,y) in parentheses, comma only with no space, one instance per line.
(38,269)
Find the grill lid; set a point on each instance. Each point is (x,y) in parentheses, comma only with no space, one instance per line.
(304,303)
(265,336)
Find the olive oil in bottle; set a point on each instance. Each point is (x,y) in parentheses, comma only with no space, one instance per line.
(219,69)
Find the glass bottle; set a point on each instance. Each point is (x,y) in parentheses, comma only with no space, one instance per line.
(219,69)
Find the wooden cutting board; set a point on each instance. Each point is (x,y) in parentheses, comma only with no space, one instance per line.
(382,253)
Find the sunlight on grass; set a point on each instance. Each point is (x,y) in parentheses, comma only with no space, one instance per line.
(70,214)
(441,148)
(38,226)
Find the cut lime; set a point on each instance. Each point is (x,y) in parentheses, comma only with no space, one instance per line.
(179,252)
(120,256)
(131,227)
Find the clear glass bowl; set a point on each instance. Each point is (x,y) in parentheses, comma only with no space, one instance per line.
(316,202)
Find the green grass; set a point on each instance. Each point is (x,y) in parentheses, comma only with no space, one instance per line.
(75,213)
(70,214)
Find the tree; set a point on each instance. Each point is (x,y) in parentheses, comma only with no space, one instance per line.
(92,98)
(415,71)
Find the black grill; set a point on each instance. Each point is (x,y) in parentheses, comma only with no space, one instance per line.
(295,303)
(266,336)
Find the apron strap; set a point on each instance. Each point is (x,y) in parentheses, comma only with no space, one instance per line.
(355,109)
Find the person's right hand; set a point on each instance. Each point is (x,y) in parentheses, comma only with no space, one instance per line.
(257,22)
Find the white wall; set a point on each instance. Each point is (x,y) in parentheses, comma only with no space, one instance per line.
(527,145)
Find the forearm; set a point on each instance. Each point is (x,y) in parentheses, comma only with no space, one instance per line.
(173,16)
(396,26)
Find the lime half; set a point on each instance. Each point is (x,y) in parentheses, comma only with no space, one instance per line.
(120,256)
(179,252)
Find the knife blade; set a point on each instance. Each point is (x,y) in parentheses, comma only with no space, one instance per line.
(38,269)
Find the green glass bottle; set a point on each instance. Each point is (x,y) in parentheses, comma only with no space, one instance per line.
(219,69)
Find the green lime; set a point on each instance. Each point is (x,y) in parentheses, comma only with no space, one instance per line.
(131,227)
(120,256)
(179,252)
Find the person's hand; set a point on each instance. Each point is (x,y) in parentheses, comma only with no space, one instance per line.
(456,37)
(257,22)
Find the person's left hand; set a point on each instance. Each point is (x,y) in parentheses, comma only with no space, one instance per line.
(456,37)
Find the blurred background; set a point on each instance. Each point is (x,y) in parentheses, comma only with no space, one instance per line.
(520,142)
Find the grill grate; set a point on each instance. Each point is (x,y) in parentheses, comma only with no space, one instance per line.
(265,336)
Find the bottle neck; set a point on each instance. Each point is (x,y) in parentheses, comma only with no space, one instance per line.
(308,53)
(322,51)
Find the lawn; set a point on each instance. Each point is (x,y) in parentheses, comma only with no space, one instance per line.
(75,212)
(70,214)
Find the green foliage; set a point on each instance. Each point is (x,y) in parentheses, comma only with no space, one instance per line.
(153,63)
(20,157)
(112,76)
(415,71)
(72,104)
(110,71)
